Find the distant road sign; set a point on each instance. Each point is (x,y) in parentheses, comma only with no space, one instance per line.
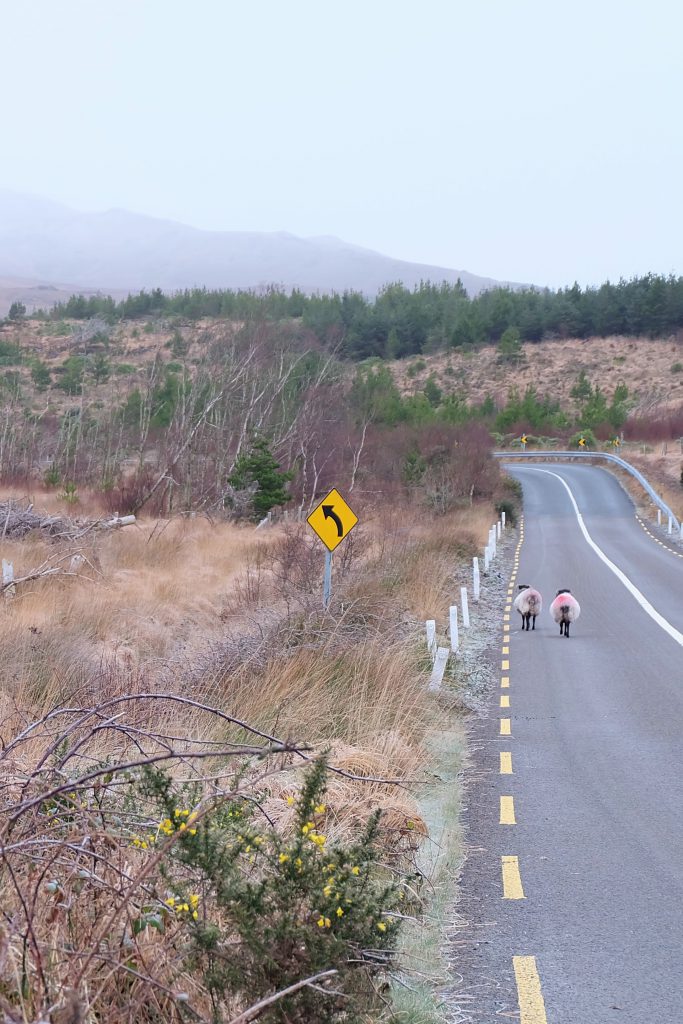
(332,520)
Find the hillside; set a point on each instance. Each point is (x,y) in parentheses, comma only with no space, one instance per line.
(44,242)
(118,406)
(652,370)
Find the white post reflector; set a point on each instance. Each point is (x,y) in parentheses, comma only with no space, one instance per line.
(440,662)
(454,627)
(465,608)
(431,637)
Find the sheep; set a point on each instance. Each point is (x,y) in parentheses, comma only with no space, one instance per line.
(565,609)
(528,603)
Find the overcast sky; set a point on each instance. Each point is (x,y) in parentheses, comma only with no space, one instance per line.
(535,141)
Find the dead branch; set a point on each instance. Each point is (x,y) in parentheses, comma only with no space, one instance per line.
(255,1011)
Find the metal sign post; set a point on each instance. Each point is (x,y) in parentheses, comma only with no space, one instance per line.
(327,580)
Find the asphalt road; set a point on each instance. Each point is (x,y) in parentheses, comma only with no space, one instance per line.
(596,785)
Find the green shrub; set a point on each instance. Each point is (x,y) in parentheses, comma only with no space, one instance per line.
(417,367)
(510,510)
(677,367)
(70,493)
(40,375)
(52,477)
(123,369)
(287,906)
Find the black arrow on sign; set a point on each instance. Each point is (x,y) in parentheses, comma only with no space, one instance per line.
(329,513)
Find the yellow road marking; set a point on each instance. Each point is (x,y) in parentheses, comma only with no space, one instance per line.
(504,700)
(505,727)
(506,618)
(505,681)
(512,880)
(529,995)
(505,665)
(507,811)
(506,762)
(505,650)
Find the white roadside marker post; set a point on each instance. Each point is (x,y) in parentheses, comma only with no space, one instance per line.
(430,625)
(498,529)
(455,641)
(440,662)
(8,579)
(502,518)
(465,608)
(475,575)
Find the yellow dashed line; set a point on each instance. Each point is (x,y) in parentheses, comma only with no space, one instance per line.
(505,727)
(505,650)
(505,665)
(504,700)
(512,880)
(504,681)
(661,543)
(531,1005)
(507,811)
(506,618)
(506,762)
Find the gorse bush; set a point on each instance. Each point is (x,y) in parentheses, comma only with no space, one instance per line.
(132,894)
(265,910)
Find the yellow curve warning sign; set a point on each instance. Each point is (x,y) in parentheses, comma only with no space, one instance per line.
(332,519)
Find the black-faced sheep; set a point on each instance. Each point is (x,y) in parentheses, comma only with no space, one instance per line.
(529,604)
(565,609)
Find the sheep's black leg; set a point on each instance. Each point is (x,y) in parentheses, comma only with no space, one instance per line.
(528,617)
(566,629)
(534,625)
(561,628)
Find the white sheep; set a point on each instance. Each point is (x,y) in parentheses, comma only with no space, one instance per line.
(565,609)
(529,604)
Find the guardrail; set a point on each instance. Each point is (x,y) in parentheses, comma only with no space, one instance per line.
(608,457)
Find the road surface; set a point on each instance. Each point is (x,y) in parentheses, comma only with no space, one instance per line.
(576,908)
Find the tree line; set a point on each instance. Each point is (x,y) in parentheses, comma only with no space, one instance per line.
(400,322)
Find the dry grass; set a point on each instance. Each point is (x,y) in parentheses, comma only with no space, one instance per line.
(205,611)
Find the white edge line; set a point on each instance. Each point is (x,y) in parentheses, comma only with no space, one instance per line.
(622,577)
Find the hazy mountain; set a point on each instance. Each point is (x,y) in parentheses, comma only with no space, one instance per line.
(43,243)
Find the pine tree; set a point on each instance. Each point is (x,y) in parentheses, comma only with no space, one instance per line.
(260,466)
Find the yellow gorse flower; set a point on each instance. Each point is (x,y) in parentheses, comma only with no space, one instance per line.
(355,870)
(381,926)
(324,922)
(339,912)
(320,808)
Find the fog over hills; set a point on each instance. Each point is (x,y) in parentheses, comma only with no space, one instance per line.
(44,243)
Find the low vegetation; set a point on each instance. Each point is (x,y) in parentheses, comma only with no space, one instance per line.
(191,776)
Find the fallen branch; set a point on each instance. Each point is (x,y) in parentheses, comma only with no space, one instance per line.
(255,1011)
(21,518)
